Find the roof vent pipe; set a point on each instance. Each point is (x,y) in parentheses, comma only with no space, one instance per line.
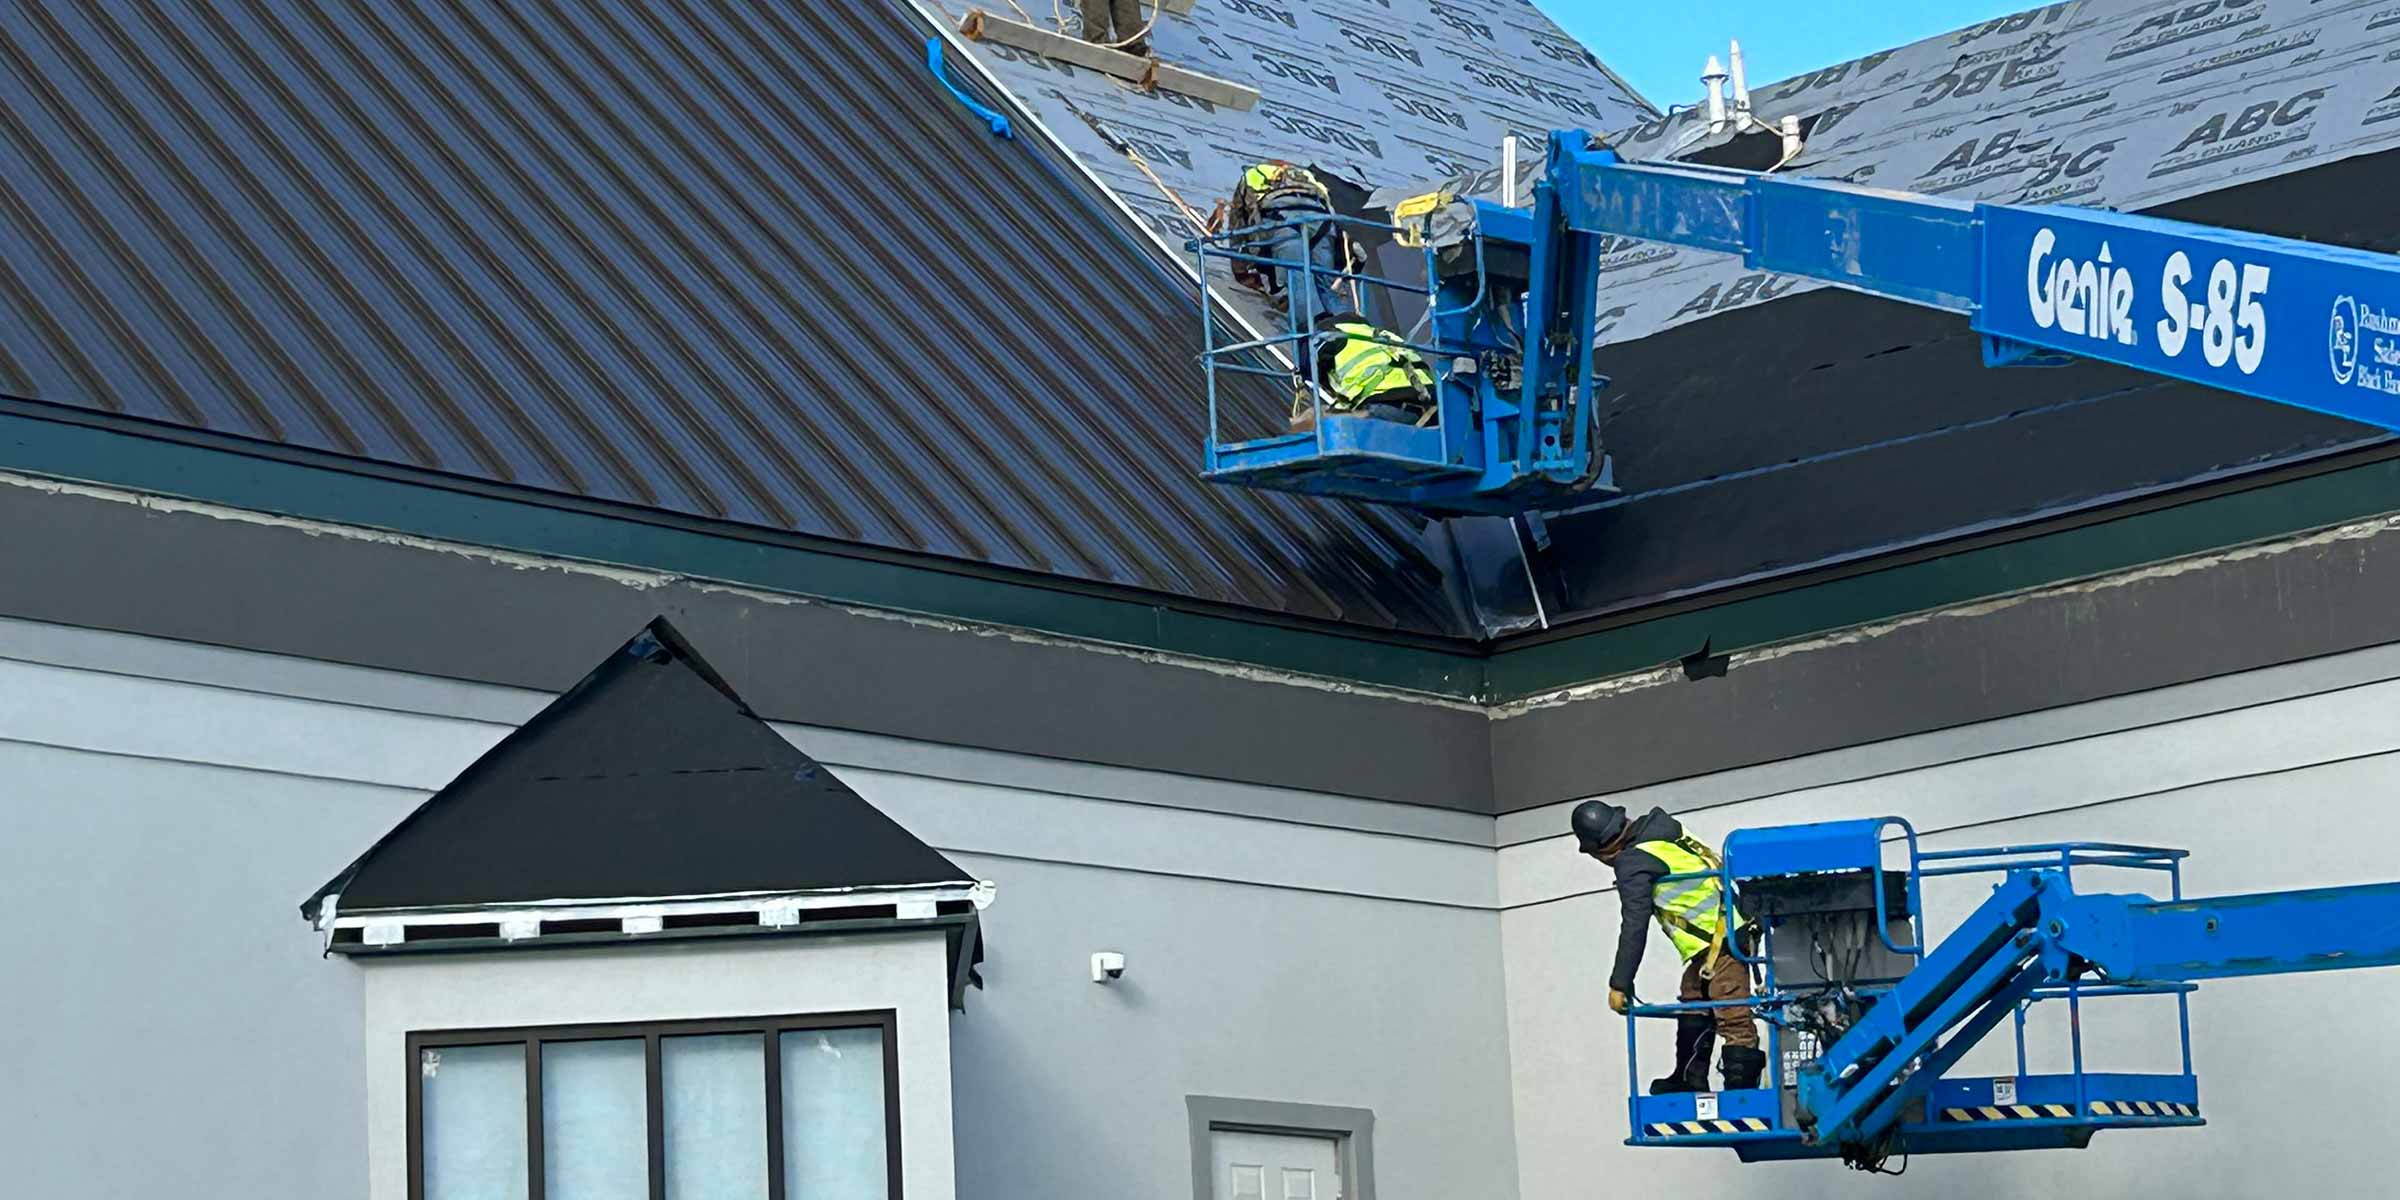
(1712,80)
(1791,137)
(1741,87)
(1508,170)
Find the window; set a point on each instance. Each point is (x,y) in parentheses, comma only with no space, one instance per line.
(774,1108)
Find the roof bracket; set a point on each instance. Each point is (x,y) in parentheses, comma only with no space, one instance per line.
(1150,74)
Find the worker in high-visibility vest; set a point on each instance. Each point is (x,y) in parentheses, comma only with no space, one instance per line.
(1292,200)
(1645,852)
(1366,371)
(1116,23)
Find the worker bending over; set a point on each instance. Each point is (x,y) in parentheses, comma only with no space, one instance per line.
(1116,23)
(1366,371)
(1273,193)
(1696,918)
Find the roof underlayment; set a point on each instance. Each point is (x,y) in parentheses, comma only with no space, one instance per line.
(1375,92)
(1802,427)
(2121,104)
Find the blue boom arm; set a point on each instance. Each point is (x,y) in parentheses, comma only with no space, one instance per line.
(2034,931)
(1510,294)
(2294,322)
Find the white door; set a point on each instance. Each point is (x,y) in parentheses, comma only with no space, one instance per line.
(1274,1166)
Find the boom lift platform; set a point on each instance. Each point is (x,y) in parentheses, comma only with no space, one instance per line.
(1865,1020)
(1510,296)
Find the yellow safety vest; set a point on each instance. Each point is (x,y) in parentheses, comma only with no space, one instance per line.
(1373,361)
(1266,178)
(1690,910)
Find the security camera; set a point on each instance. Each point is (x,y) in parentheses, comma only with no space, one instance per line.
(1107,965)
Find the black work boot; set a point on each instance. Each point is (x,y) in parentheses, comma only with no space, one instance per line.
(1694,1034)
(1743,1065)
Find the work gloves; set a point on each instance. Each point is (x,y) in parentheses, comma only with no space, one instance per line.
(1618,1001)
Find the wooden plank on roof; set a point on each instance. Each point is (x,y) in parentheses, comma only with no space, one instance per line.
(1224,93)
(1148,73)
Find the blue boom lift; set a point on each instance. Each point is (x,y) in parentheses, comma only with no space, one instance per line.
(1865,1020)
(1508,298)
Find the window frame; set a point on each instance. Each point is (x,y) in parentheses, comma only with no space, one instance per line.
(652,1033)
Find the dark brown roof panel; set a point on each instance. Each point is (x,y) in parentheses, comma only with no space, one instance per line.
(733,261)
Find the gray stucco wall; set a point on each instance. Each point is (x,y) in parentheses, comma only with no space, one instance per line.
(1232,990)
(2274,779)
(172,1030)
(163,808)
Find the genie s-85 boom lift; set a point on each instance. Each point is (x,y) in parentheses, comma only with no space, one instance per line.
(1865,1019)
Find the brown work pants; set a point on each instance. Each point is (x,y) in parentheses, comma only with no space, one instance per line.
(1100,15)
(1729,981)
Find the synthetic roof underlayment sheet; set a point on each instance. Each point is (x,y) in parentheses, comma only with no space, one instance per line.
(2112,103)
(1778,439)
(1379,92)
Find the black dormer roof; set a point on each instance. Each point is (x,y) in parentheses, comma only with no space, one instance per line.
(649,784)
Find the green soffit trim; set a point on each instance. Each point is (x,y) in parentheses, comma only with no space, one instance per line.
(71,450)
(269,484)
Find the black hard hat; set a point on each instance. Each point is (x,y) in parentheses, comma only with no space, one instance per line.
(1597,825)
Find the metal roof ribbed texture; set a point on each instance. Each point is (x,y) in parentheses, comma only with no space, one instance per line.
(744,262)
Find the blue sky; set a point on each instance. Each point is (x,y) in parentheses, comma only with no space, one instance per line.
(1659,47)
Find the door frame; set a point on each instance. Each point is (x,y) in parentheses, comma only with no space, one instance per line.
(1352,1131)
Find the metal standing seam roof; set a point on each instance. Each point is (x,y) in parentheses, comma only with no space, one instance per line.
(733,261)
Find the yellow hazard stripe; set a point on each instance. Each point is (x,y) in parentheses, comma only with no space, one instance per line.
(2013,1112)
(2143,1108)
(2100,1108)
(1688,1128)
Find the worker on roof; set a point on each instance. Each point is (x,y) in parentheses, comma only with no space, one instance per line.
(1116,23)
(1366,371)
(1294,212)
(1645,853)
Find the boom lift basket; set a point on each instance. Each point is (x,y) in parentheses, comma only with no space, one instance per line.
(1483,448)
(1837,934)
